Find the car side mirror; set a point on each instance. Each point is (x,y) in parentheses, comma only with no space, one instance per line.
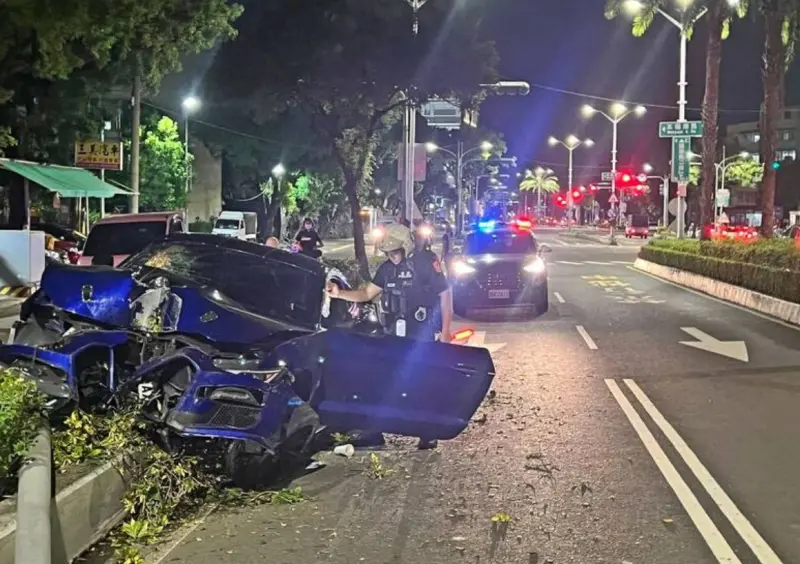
(545,249)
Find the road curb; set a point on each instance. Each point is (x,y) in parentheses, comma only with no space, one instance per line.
(85,512)
(773,307)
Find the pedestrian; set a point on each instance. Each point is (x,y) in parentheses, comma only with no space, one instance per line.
(414,292)
(447,241)
(309,240)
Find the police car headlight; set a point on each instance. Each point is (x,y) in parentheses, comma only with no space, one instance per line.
(537,266)
(460,268)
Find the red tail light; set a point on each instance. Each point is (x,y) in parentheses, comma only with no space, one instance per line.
(462,335)
(524,223)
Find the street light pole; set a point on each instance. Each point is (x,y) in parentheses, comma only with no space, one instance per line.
(570,144)
(620,112)
(459,156)
(190,104)
(635,6)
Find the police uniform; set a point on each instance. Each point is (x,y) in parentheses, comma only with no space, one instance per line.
(411,295)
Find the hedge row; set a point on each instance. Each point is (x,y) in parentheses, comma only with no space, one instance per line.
(21,409)
(783,283)
(772,253)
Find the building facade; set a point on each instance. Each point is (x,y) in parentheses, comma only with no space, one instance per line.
(745,136)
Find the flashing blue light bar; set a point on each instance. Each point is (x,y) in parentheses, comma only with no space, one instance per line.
(486,226)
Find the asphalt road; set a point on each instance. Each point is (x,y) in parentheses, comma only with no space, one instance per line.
(636,422)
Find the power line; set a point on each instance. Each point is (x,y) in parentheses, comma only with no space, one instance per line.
(233,131)
(646,104)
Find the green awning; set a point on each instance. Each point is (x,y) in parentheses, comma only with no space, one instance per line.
(68,181)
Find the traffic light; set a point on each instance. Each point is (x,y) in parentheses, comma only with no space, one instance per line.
(776,165)
(625,179)
(593,188)
(561,201)
(577,196)
(638,190)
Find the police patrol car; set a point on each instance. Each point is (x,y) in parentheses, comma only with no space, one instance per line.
(500,266)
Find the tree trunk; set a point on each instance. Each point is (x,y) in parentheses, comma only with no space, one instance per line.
(774,56)
(716,17)
(351,190)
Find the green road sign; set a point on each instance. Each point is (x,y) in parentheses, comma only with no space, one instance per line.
(681,149)
(680,129)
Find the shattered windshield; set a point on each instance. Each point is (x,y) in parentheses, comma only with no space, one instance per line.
(268,288)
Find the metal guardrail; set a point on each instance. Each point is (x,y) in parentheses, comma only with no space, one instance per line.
(33,539)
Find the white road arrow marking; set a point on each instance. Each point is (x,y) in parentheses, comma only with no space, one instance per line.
(477,340)
(705,342)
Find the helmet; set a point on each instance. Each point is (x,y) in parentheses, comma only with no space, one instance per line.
(396,236)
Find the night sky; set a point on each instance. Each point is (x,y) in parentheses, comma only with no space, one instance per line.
(569,45)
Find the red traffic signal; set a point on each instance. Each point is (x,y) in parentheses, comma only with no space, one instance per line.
(561,201)
(625,179)
(577,195)
(593,188)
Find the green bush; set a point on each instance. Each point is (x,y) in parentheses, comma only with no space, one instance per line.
(21,407)
(774,281)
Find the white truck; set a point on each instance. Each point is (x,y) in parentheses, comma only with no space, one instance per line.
(241,225)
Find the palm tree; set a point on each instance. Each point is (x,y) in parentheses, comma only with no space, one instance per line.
(541,180)
(720,14)
(781,23)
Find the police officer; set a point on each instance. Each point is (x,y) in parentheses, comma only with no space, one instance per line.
(415,295)
(412,287)
(308,239)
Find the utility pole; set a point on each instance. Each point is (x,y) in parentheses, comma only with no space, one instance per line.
(136,121)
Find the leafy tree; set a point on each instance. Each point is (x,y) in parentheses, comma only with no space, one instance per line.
(349,65)
(164,166)
(781,30)
(538,180)
(719,16)
(745,173)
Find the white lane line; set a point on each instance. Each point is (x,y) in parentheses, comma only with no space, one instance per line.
(712,298)
(562,243)
(597,262)
(559,298)
(586,337)
(716,542)
(757,544)
(569,262)
(621,262)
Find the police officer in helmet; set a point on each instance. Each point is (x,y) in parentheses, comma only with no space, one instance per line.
(412,287)
(415,295)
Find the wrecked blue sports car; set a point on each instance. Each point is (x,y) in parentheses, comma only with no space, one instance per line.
(236,345)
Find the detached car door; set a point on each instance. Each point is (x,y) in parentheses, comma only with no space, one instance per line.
(388,384)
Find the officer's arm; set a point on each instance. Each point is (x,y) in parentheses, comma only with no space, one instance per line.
(365,294)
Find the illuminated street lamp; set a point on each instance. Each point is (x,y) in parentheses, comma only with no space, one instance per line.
(570,144)
(617,112)
(635,7)
(278,170)
(459,154)
(190,105)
